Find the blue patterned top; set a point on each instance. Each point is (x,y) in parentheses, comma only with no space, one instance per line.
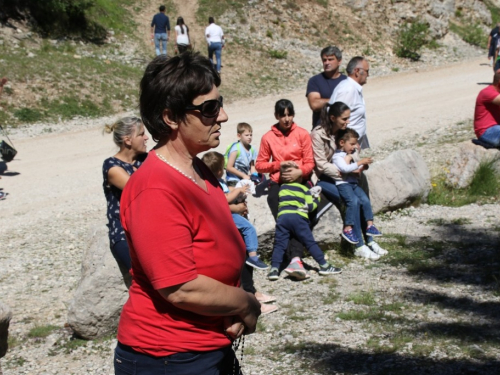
(113,195)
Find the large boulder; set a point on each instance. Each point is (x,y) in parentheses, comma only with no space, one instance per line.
(467,160)
(5,317)
(398,181)
(95,309)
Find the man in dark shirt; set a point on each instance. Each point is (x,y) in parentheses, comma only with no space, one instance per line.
(320,87)
(492,43)
(160,30)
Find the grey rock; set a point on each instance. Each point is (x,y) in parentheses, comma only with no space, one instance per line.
(398,181)
(467,160)
(5,317)
(444,8)
(101,292)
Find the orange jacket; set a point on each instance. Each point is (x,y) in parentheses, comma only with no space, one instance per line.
(276,147)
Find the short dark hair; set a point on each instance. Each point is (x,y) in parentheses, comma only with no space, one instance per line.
(282,105)
(345,135)
(173,83)
(331,51)
(162,8)
(214,161)
(353,64)
(336,109)
(211,19)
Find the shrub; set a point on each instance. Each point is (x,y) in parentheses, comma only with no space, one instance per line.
(410,40)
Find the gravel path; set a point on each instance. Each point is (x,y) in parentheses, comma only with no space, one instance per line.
(431,306)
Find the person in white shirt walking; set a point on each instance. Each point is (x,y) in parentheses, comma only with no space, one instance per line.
(215,41)
(350,92)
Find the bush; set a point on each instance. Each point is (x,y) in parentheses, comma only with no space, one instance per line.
(410,40)
(58,18)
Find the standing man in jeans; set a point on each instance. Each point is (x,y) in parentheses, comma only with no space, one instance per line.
(160,30)
(215,41)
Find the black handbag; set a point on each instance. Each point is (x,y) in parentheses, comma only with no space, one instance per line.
(6,150)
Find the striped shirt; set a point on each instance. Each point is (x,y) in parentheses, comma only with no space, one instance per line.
(295,198)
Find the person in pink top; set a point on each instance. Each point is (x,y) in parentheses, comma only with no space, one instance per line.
(487,114)
(286,144)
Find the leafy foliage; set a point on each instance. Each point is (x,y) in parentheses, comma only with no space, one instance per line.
(58,18)
(470,32)
(410,40)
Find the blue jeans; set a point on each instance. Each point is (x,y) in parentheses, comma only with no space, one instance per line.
(289,225)
(357,206)
(217,48)
(216,362)
(247,231)
(329,190)
(491,136)
(163,38)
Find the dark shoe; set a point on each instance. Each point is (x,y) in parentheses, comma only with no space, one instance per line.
(260,265)
(373,231)
(274,274)
(329,270)
(350,236)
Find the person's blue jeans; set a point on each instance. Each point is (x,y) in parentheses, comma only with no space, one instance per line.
(491,136)
(121,253)
(217,48)
(289,225)
(358,207)
(163,39)
(329,190)
(130,362)
(247,231)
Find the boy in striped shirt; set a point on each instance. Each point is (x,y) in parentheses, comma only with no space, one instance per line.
(295,203)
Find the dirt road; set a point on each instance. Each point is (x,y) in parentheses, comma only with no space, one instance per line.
(62,173)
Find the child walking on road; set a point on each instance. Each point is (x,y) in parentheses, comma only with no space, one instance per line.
(295,202)
(353,195)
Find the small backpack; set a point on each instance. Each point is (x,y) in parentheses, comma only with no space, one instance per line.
(238,153)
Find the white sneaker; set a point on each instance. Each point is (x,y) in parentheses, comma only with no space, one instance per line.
(375,247)
(365,252)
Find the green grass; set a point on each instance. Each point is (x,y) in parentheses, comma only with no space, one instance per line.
(470,32)
(210,8)
(484,188)
(362,298)
(42,331)
(277,54)
(69,86)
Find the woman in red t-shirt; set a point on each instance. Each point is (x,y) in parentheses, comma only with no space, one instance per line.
(185,305)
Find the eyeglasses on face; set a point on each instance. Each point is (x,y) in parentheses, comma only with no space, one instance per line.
(209,108)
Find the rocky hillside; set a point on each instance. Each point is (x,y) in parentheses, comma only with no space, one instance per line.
(272,46)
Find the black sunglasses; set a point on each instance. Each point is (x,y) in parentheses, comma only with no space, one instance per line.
(209,108)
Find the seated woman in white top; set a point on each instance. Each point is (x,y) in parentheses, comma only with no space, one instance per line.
(182,35)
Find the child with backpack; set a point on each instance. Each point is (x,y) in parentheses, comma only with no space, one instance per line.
(240,157)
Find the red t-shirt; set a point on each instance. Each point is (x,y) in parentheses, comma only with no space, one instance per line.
(175,232)
(486,113)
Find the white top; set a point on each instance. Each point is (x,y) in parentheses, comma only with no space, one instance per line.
(214,33)
(351,93)
(181,38)
(344,168)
